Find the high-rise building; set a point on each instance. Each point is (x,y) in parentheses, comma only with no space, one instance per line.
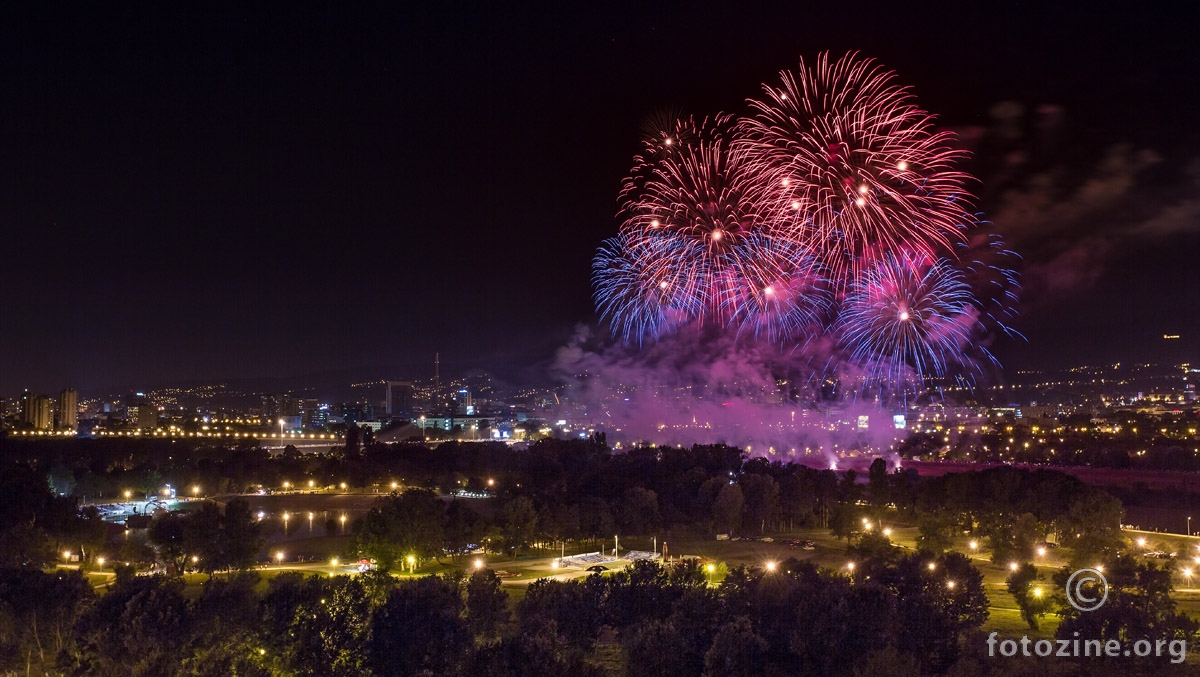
(68,410)
(37,411)
(463,401)
(398,400)
(146,417)
(279,406)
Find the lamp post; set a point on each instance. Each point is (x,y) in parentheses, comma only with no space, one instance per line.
(281,433)
(1189,525)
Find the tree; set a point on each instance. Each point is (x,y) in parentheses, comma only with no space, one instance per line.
(519,523)
(1092,527)
(843,521)
(761,494)
(737,651)
(399,526)
(639,511)
(655,648)
(935,531)
(419,630)
(241,536)
(39,611)
(167,533)
(727,509)
(1032,599)
(487,604)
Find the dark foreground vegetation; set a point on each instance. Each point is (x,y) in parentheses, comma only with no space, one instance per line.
(894,612)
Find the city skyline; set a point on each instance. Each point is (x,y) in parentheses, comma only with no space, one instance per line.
(248,196)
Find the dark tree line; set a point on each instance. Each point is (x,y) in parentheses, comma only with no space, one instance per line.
(665,620)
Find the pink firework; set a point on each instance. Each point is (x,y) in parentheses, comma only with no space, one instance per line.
(847,160)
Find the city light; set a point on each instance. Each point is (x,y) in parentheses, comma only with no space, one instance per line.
(1013,566)
(850,566)
(279,557)
(974,545)
(771,566)
(333,562)
(1041,552)
(932,566)
(478,564)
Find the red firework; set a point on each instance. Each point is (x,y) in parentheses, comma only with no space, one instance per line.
(850,165)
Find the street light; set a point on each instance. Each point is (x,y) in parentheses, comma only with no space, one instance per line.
(100,563)
(974,545)
(281,433)
(333,562)
(1189,525)
(478,564)
(771,566)
(195,491)
(1013,566)
(412,563)
(342,519)
(128,494)
(279,557)
(1041,552)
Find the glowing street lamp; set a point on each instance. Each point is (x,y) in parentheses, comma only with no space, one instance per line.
(1013,566)
(974,545)
(412,563)
(342,519)
(333,562)
(771,567)
(195,491)
(932,566)
(478,564)
(1037,592)
(1141,542)
(279,557)
(100,563)
(128,494)
(950,584)
(850,566)
(281,432)
(887,531)
(1041,552)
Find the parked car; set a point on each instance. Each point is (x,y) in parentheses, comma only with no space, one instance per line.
(597,568)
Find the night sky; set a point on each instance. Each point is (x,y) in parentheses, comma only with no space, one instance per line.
(234,193)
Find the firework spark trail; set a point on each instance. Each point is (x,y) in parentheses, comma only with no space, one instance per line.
(853,163)
(832,214)
(906,311)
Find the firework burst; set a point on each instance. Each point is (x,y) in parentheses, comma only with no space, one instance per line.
(833,210)
(849,161)
(907,318)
